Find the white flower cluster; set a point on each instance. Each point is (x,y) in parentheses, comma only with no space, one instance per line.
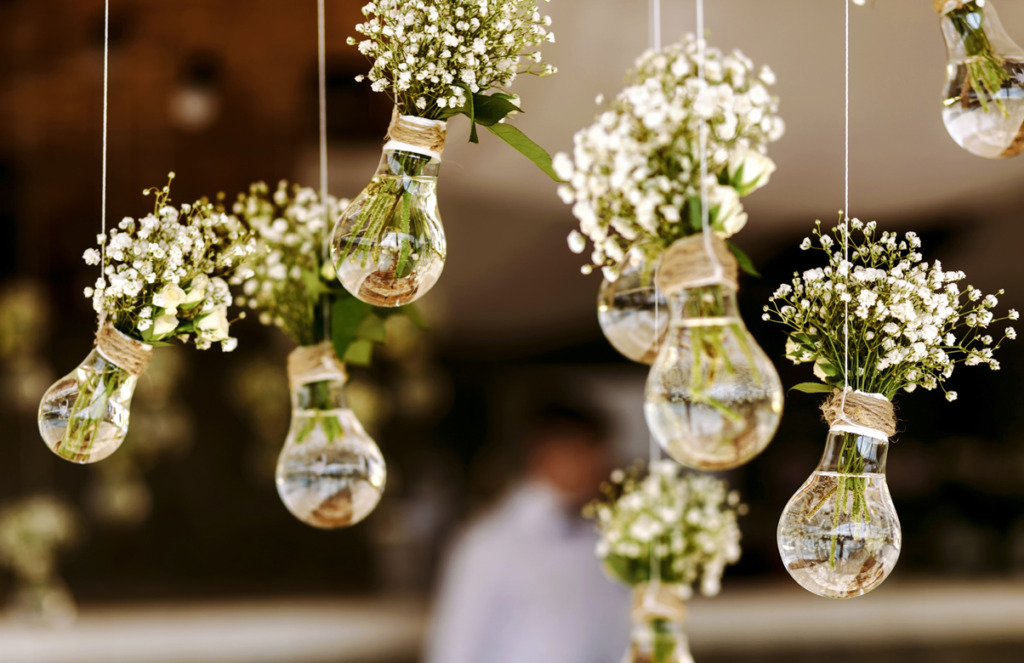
(161,278)
(634,174)
(684,524)
(286,276)
(910,322)
(429,55)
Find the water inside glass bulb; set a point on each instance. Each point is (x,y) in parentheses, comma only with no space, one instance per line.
(632,312)
(713,399)
(83,417)
(839,535)
(983,103)
(389,246)
(330,472)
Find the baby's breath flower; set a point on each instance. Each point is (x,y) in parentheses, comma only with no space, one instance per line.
(635,172)
(910,321)
(686,523)
(430,56)
(152,261)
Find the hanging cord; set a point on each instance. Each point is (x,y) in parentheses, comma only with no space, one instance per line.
(103,177)
(654,35)
(705,213)
(846,216)
(324,202)
(650,598)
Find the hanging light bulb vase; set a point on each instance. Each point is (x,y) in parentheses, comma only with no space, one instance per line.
(839,535)
(657,635)
(83,417)
(713,399)
(632,311)
(330,473)
(389,247)
(983,108)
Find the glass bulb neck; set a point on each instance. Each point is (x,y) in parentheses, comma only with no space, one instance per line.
(703,302)
(403,163)
(849,453)
(973,30)
(319,395)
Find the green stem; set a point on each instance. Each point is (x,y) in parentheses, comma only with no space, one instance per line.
(985,69)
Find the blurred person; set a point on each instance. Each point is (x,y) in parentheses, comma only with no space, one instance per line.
(523,584)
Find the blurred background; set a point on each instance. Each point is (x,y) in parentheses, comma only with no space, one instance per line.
(180,539)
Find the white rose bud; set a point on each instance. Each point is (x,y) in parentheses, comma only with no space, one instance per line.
(197,290)
(164,326)
(214,325)
(748,171)
(169,298)
(727,215)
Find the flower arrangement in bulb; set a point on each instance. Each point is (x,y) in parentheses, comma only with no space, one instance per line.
(435,60)
(162,279)
(661,534)
(634,180)
(910,323)
(330,473)
(986,71)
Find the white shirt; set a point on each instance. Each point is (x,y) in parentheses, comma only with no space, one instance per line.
(524,586)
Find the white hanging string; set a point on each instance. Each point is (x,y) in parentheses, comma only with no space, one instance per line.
(654,452)
(654,36)
(705,213)
(846,215)
(106,105)
(322,91)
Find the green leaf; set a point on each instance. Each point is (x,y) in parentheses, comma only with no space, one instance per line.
(372,329)
(347,315)
(359,353)
(529,149)
(812,388)
(746,264)
(492,109)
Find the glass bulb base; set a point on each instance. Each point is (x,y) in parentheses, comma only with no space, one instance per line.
(389,247)
(839,535)
(713,399)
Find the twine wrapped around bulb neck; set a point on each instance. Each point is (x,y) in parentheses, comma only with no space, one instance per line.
(659,601)
(945,6)
(122,350)
(419,132)
(686,264)
(868,411)
(314,363)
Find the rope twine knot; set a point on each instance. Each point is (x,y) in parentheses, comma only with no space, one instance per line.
(314,363)
(122,350)
(860,413)
(687,264)
(653,601)
(418,132)
(945,6)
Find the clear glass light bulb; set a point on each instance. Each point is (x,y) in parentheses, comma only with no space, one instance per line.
(389,246)
(632,312)
(839,535)
(330,473)
(83,417)
(983,107)
(713,399)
